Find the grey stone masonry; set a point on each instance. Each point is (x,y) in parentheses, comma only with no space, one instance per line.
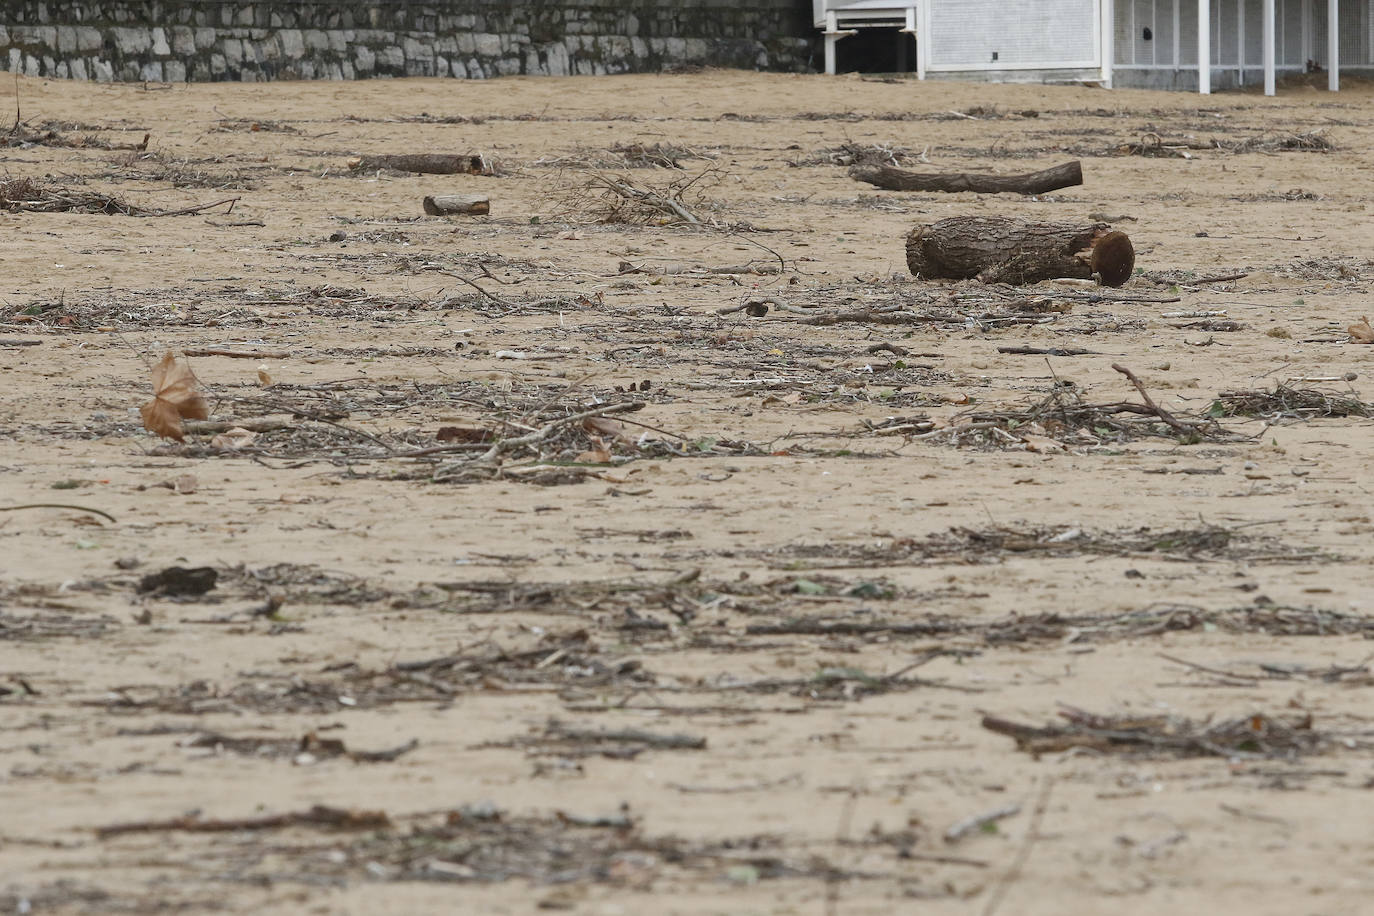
(202,40)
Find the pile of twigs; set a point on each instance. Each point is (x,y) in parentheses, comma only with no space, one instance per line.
(25,194)
(1288,403)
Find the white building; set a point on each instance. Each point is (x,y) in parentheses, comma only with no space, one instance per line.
(1167,44)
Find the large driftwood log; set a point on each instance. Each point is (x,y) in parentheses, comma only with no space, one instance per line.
(424,163)
(891,179)
(457,205)
(1001,249)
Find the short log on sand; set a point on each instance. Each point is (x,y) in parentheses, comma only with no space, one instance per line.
(1003,249)
(1042,182)
(457,205)
(424,163)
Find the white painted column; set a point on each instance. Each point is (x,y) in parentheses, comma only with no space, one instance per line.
(1240,42)
(1268,47)
(1308,49)
(1107,24)
(922,38)
(833,33)
(1178,39)
(1333,45)
(1204,47)
(830,35)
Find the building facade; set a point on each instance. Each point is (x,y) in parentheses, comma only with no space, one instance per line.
(1167,44)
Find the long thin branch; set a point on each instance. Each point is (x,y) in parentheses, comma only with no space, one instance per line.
(100,512)
(1173,421)
(497,299)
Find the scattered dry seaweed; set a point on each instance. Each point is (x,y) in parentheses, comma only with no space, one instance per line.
(998,543)
(50,626)
(480,843)
(1058,627)
(555,663)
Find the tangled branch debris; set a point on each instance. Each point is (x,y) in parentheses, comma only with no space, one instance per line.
(1288,403)
(52,133)
(656,155)
(1254,737)
(1157,146)
(25,194)
(851,153)
(609,198)
(1063,418)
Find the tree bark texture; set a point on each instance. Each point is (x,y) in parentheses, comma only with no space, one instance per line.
(457,205)
(1001,249)
(424,163)
(893,179)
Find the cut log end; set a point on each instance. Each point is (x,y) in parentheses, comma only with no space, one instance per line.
(1011,250)
(1113,258)
(457,205)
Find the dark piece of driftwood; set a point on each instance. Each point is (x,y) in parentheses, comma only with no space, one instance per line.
(425,163)
(1003,249)
(457,205)
(893,179)
(318,816)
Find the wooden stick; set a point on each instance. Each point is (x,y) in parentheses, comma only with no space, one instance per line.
(99,512)
(239,354)
(894,179)
(978,821)
(318,816)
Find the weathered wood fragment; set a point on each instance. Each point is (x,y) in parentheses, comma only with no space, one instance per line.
(1000,249)
(457,205)
(424,163)
(894,179)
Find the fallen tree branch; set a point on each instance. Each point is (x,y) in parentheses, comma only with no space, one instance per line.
(1189,429)
(894,179)
(317,816)
(100,512)
(239,354)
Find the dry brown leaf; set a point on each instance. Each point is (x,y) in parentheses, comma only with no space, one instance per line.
(462,434)
(599,454)
(1361,332)
(1042,444)
(607,427)
(176,397)
(232,439)
(264,377)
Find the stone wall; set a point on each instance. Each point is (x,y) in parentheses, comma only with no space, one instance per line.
(177,40)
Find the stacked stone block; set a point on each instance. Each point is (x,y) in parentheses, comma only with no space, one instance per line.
(202,40)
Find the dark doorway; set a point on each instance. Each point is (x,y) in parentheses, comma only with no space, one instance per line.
(876,51)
